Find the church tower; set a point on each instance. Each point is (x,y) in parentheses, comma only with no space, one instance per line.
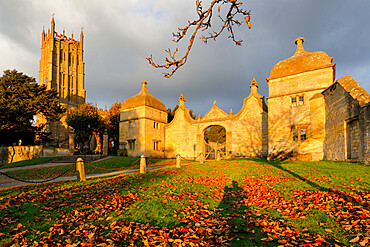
(62,68)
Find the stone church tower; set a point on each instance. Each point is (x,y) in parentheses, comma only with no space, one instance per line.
(62,68)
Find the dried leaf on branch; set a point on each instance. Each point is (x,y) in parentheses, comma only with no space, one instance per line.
(229,19)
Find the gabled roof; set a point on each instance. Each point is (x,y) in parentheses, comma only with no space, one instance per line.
(354,89)
(215,113)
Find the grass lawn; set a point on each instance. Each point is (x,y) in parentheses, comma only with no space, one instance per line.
(31,162)
(114,163)
(238,202)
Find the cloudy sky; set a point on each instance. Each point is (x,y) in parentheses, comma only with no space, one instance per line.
(120,34)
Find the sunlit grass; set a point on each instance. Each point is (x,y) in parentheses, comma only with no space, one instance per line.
(30,162)
(182,197)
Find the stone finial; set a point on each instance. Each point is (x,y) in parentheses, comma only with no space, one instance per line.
(231,111)
(144,83)
(214,102)
(299,42)
(199,117)
(182,98)
(254,83)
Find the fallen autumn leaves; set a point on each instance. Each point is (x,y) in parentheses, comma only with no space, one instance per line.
(228,203)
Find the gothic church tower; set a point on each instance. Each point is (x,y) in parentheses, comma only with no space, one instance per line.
(62,68)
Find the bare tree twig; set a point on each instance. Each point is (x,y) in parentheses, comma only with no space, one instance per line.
(202,24)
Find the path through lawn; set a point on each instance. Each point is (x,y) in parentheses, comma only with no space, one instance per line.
(231,202)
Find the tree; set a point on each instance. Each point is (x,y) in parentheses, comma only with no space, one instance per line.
(215,133)
(84,120)
(202,24)
(21,98)
(113,123)
(109,122)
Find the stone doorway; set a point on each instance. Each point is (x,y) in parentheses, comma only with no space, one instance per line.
(214,142)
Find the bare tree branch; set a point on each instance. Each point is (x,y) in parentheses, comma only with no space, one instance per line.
(202,24)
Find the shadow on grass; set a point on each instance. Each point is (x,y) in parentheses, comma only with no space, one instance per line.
(345,196)
(242,221)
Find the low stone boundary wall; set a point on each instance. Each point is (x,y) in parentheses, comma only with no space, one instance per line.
(19,153)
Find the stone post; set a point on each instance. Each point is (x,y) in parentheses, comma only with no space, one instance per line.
(178,161)
(80,167)
(71,141)
(202,158)
(218,155)
(142,164)
(105,143)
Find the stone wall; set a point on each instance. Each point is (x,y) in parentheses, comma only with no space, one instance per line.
(246,131)
(336,108)
(143,131)
(19,153)
(365,123)
(284,117)
(347,126)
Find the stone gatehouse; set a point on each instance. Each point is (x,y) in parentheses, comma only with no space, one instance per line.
(144,128)
(311,117)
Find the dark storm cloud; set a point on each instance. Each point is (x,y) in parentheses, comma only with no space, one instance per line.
(120,34)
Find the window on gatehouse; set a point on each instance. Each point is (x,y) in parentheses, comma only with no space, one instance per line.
(294,101)
(132,124)
(156,125)
(295,135)
(299,133)
(156,145)
(131,144)
(297,100)
(303,134)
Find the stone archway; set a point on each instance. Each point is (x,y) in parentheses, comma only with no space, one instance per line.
(214,139)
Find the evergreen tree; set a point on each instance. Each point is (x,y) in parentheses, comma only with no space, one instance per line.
(21,98)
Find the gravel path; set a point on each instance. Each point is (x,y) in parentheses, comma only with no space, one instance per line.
(41,166)
(6,182)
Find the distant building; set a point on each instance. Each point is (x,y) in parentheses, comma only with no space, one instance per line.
(62,68)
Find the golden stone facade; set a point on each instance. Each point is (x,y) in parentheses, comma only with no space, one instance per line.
(296,105)
(306,118)
(144,129)
(62,68)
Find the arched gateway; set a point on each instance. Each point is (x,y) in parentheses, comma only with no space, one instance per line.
(246,131)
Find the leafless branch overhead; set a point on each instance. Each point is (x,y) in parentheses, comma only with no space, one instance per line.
(203,24)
